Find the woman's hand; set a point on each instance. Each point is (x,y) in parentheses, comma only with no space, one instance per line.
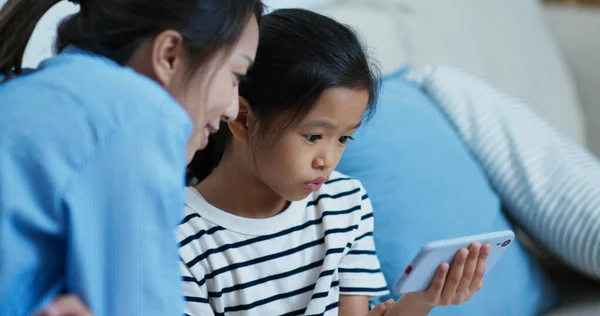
(66,305)
(450,286)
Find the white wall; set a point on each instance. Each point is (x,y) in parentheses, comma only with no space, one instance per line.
(578,34)
(577,31)
(277,4)
(42,41)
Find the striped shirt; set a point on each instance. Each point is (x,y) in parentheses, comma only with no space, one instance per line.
(295,263)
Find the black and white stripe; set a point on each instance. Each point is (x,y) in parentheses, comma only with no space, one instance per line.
(300,269)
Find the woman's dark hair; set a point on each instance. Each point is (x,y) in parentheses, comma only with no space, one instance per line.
(300,54)
(116,28)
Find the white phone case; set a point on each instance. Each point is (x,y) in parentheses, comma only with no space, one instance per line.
(419,273)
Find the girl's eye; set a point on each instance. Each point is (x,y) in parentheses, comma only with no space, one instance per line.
(312,138)
(344,139)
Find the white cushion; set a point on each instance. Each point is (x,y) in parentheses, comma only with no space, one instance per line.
(506,42)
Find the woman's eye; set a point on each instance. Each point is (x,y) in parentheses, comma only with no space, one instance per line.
(312,138)
(344,139)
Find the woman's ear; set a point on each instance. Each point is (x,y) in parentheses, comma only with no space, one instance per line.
(239,126)
(168,56)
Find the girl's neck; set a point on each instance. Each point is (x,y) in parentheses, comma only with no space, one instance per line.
(235,188)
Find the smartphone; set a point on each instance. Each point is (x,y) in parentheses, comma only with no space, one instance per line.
(420,272)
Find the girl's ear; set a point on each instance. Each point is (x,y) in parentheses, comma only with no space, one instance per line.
(239,126)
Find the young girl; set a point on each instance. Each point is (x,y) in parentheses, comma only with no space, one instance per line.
(135,83)
(273,229)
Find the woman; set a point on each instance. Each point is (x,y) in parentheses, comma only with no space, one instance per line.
(93,145)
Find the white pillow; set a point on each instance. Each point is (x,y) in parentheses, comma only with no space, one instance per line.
(506,42)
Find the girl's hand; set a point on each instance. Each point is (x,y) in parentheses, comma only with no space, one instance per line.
(450,286)
(462,281)
(381,308)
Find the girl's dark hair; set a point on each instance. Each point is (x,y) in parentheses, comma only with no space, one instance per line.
(300,54)
(116,28)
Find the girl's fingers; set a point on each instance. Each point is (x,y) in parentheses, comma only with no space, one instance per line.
(378,310)
(437,285)
(476,281)
(381,308)
(454,277)
(469,270)
(389,303)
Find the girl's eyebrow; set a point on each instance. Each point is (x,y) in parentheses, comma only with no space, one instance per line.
(326,124)
(356,126)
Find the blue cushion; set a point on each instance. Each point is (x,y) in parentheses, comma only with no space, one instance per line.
(425,186)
